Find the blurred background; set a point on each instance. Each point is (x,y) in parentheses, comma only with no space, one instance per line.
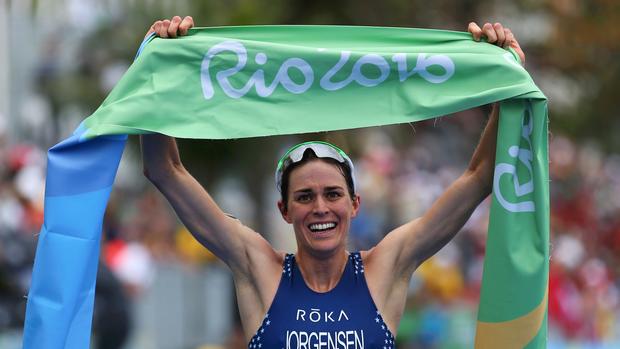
(157,288)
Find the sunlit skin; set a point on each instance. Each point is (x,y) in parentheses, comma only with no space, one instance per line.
(318,194)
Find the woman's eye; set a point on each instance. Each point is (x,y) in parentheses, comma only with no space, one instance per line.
(303,198)
(333,195)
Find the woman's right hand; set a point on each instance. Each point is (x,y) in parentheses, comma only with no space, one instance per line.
(171,28)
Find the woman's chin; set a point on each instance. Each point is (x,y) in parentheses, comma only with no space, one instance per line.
(326,244)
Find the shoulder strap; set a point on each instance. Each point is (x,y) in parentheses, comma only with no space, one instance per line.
(287,265)
(356,260)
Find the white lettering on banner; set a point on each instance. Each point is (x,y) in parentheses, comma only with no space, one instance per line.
(257,80)
(422,66)
(525,157)
(351,339)
(316,315)
(356,73)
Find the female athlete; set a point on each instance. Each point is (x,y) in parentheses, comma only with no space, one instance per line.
(323,296)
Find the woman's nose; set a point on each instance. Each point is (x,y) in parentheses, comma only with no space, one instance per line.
(320,206)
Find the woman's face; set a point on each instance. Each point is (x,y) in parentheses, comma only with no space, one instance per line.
(319,207)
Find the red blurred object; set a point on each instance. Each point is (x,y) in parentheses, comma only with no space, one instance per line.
(111,250)
(19,156)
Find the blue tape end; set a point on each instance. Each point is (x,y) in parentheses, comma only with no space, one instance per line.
(81,134)
(143,44)
(80,131)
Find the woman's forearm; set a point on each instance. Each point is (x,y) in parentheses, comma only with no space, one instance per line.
(483,160)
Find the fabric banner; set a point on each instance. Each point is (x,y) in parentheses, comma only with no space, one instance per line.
(233,82)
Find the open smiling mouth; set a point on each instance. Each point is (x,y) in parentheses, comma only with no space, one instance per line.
(321,227)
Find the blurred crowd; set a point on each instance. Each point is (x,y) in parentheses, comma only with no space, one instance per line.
(398,182)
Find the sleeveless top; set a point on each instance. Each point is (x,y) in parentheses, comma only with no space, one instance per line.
(344,318)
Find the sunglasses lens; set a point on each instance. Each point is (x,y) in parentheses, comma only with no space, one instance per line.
(297,154)
(324,151)
(320,149)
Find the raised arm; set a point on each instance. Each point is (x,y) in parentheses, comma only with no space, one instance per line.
(425,236)
(447,215)
(256,266)
(235,244)
(391,263)
(191,202)
(414,242)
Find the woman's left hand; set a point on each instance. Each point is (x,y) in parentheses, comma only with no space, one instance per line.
(498,35)
(171,28)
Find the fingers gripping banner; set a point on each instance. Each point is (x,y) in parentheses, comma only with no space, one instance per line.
(233,82)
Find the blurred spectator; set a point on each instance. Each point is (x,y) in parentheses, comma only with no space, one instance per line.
(21,215)
(111,317)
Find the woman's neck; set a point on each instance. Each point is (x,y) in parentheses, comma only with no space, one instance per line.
(321,274)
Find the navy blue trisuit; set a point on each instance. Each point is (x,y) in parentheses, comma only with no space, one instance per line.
(344,318)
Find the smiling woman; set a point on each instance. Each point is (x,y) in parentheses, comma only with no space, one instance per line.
(320,206)
(323,295)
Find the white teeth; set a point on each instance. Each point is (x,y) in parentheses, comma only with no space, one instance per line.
(322,226)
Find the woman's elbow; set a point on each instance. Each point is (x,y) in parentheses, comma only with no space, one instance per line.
(161,174)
